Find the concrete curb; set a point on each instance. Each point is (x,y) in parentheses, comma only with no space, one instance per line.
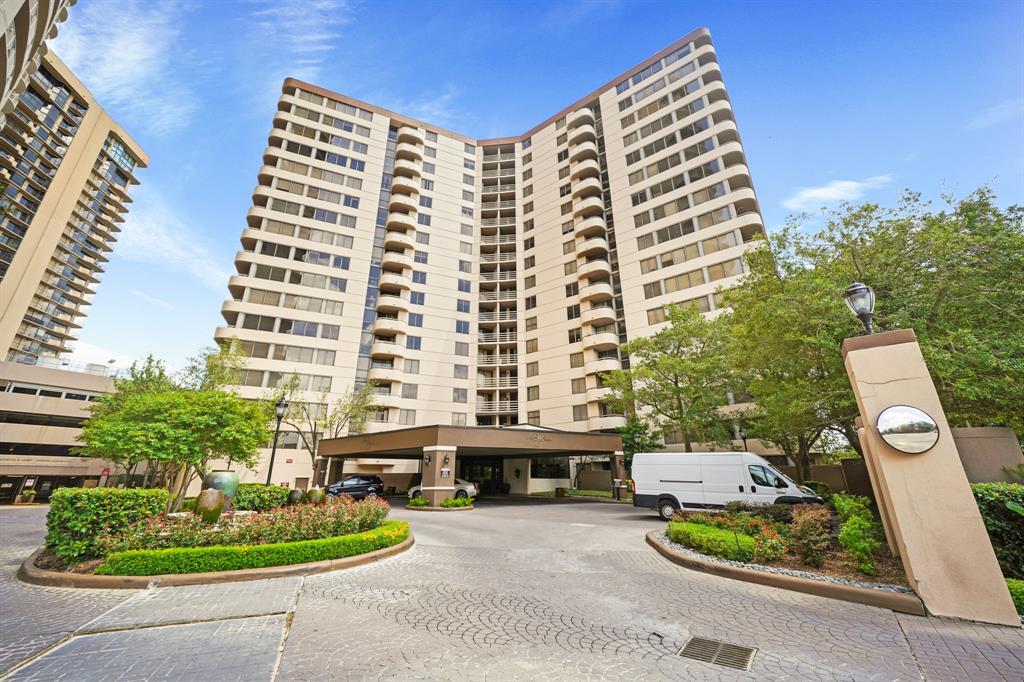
(894,601)
(439,509)
(30,573)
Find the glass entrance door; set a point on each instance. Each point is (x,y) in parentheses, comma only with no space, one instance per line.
(486,472)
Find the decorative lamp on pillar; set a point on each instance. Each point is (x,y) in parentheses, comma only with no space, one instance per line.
(279,410)
(861,300)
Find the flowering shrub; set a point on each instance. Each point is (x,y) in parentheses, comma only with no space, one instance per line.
(811,533)
(338,516)
(740,523)
(769,546)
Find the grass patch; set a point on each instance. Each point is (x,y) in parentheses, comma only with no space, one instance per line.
(231,558)
(573,492)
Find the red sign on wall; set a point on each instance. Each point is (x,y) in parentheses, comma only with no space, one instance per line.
(285,484)
(288,461)
(105,472)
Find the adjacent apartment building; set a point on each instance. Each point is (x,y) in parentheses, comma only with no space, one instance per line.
(66,168)
(25,24)
(486,282)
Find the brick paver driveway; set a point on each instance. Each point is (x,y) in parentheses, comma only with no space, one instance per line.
(504,592)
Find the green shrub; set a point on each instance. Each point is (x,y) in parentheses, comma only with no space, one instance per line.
(847,505)
(205,559)
(821,489)
(811,533)
(769,546)
(449,502)
(858,535)
(1016,588)
(713,541)
(78,516)
(779,513)
(260,497)
(340,516)
(418,502)
(1004,524)
(742,523)
(189,504)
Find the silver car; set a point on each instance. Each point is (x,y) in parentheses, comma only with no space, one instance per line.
(462,489)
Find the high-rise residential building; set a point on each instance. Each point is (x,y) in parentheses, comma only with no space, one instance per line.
(487,282)
(26,24)
(67,167)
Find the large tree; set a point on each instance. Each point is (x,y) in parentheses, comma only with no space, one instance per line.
(677,377)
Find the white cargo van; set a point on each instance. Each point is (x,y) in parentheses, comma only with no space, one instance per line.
(668,481)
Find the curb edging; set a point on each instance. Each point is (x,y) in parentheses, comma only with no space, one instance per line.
(894,601)
(30,573)
(439,509)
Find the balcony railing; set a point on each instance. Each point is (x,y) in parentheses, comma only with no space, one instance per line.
(503,337)
(498,204)
(499,157)
(497,316)
(505,382)
(499,173)
(497,359)
(497,257)
(497,276)
(498,239)
(497,295)
(493,222)
(490,189)
(498,406)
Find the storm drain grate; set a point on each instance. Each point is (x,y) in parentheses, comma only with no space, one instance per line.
(718,653)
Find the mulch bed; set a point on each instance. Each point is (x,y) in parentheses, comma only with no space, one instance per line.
(839,564)
(52,562)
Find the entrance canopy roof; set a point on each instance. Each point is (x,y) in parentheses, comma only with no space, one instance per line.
(471,441)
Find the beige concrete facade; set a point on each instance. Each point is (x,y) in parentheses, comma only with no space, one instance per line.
(487,282)
(26,24)
(41,411)
(67,166)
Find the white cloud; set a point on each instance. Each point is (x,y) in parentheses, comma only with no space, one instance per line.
(151,299)
(131,54)
(153,233)
(440,110)
(293,38)
(999,113)
(833,192)
(87,353)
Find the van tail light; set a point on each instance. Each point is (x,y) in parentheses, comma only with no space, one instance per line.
(633,484)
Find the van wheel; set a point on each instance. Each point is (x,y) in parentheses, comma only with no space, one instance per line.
(667,509)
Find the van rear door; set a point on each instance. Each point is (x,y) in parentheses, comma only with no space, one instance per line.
(723,479)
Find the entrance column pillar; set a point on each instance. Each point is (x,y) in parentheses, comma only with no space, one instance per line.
(618,471)
(438,480)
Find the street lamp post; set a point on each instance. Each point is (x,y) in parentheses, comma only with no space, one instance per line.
(860,298)
(279,409)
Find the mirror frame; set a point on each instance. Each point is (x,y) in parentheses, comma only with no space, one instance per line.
(878,428)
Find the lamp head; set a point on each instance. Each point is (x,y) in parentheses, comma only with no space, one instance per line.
(281,408)
(860,298)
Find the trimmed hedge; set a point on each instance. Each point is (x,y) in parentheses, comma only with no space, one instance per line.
(260,497)
(450,502)
(1016,588)
(1004,524)
(710,540)
(221,558)
(78,515)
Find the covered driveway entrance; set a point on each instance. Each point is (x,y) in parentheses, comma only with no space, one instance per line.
(481,450)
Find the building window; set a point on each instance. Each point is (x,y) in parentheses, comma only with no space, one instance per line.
(575,335)
(413,342)
(572,289)
(568,247)
(573,311)
(549,467)
(570,267)
(579,413)
(528,243)
(419,256)
(461,327)
(461,348)
(458,419)
(465,266)
(411,366)
(575,359)
(579,385)
(426,202)
(462,305)
(407,417)
(465,286)
(533,417)
(461,371)
(531,345)
(532,369)
(529,262)
(531,302)
(530,282)
(531,324)
(459,395)
(410,390)
(417,297)
(533,393)
(415,319)
(419,277)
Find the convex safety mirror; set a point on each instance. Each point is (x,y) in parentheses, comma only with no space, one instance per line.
(907,429)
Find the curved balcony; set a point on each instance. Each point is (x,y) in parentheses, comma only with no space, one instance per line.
(594,226)
(411,152)
(407,168)
(597,394)
(601,341)
(592,247)
(590,206)
(587,187)
(402,202)
(410,134)
(399,281)
(584,116)
(387,399)
(389,325)
(401,220)
(395,260)
(599,315)
(599,291)
(595,269)
(587,168)
(600,366)
(584,150)
(398,240)
(391,303)
(386,349)
(606,423)
(583,133)
(389,374)
(401,184)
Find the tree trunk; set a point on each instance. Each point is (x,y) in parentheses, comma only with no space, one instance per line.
(803,459)
(174,501)
(851,435)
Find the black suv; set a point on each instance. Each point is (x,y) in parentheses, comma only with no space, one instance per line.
(358,487)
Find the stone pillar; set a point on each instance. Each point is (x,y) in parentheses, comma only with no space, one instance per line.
(438,475)
(930,513)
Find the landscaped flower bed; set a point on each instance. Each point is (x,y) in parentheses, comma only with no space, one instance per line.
(797,538)
(124,532)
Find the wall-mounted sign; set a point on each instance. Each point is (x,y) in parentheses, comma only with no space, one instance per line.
(288,461)
(907,429)
(29,482)
(446,473)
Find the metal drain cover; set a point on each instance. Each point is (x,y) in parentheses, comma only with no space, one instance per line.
(718,653)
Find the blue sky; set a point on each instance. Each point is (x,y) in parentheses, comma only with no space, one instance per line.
(834,101)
